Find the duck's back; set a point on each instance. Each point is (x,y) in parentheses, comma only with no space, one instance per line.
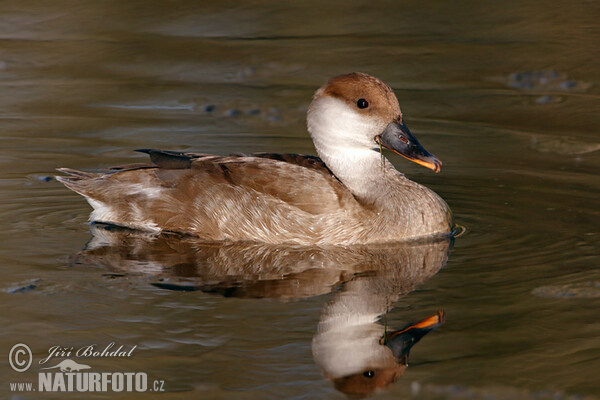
(266,197)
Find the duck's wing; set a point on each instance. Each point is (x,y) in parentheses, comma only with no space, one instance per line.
(263,197)
(300,181)
(302,160)
(182,160)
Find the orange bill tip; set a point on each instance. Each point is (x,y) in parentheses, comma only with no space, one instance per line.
(435,166)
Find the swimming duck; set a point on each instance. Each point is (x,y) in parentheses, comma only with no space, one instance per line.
(349,194)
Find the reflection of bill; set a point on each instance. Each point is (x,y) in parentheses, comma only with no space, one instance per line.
(347,345)
(401,341)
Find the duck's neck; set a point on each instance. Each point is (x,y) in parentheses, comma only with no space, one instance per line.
(364,172)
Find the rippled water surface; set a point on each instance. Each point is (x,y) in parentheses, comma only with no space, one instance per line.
(505,94)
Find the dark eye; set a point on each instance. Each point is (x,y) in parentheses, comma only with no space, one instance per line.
(369,374)
(362,103)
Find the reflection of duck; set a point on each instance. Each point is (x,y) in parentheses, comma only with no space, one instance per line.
(350,195)
(354,351)
(350,346)
(375,365)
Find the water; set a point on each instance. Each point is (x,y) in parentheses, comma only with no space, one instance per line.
(505,94)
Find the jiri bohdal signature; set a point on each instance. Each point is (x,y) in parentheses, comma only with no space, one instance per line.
(91,350)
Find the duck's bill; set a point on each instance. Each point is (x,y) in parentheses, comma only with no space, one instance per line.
(397,137)
(401,341)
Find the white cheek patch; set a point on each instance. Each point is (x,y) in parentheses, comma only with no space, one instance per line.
(345,140)
(333,122)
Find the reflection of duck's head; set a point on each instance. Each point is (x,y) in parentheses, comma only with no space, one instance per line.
(366,382)
(369,364)
(352,347)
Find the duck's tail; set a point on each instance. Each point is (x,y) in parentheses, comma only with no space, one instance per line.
(75,180)
(115,199)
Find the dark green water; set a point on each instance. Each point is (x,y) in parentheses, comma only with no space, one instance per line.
(506,94)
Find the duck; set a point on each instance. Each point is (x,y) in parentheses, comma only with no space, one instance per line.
(350,194)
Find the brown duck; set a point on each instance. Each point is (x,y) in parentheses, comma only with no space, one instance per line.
(351,194)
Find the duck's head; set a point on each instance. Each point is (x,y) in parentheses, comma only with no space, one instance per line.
(356,112)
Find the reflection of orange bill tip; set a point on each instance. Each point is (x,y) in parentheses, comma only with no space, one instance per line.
(418,330)
(429,322)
